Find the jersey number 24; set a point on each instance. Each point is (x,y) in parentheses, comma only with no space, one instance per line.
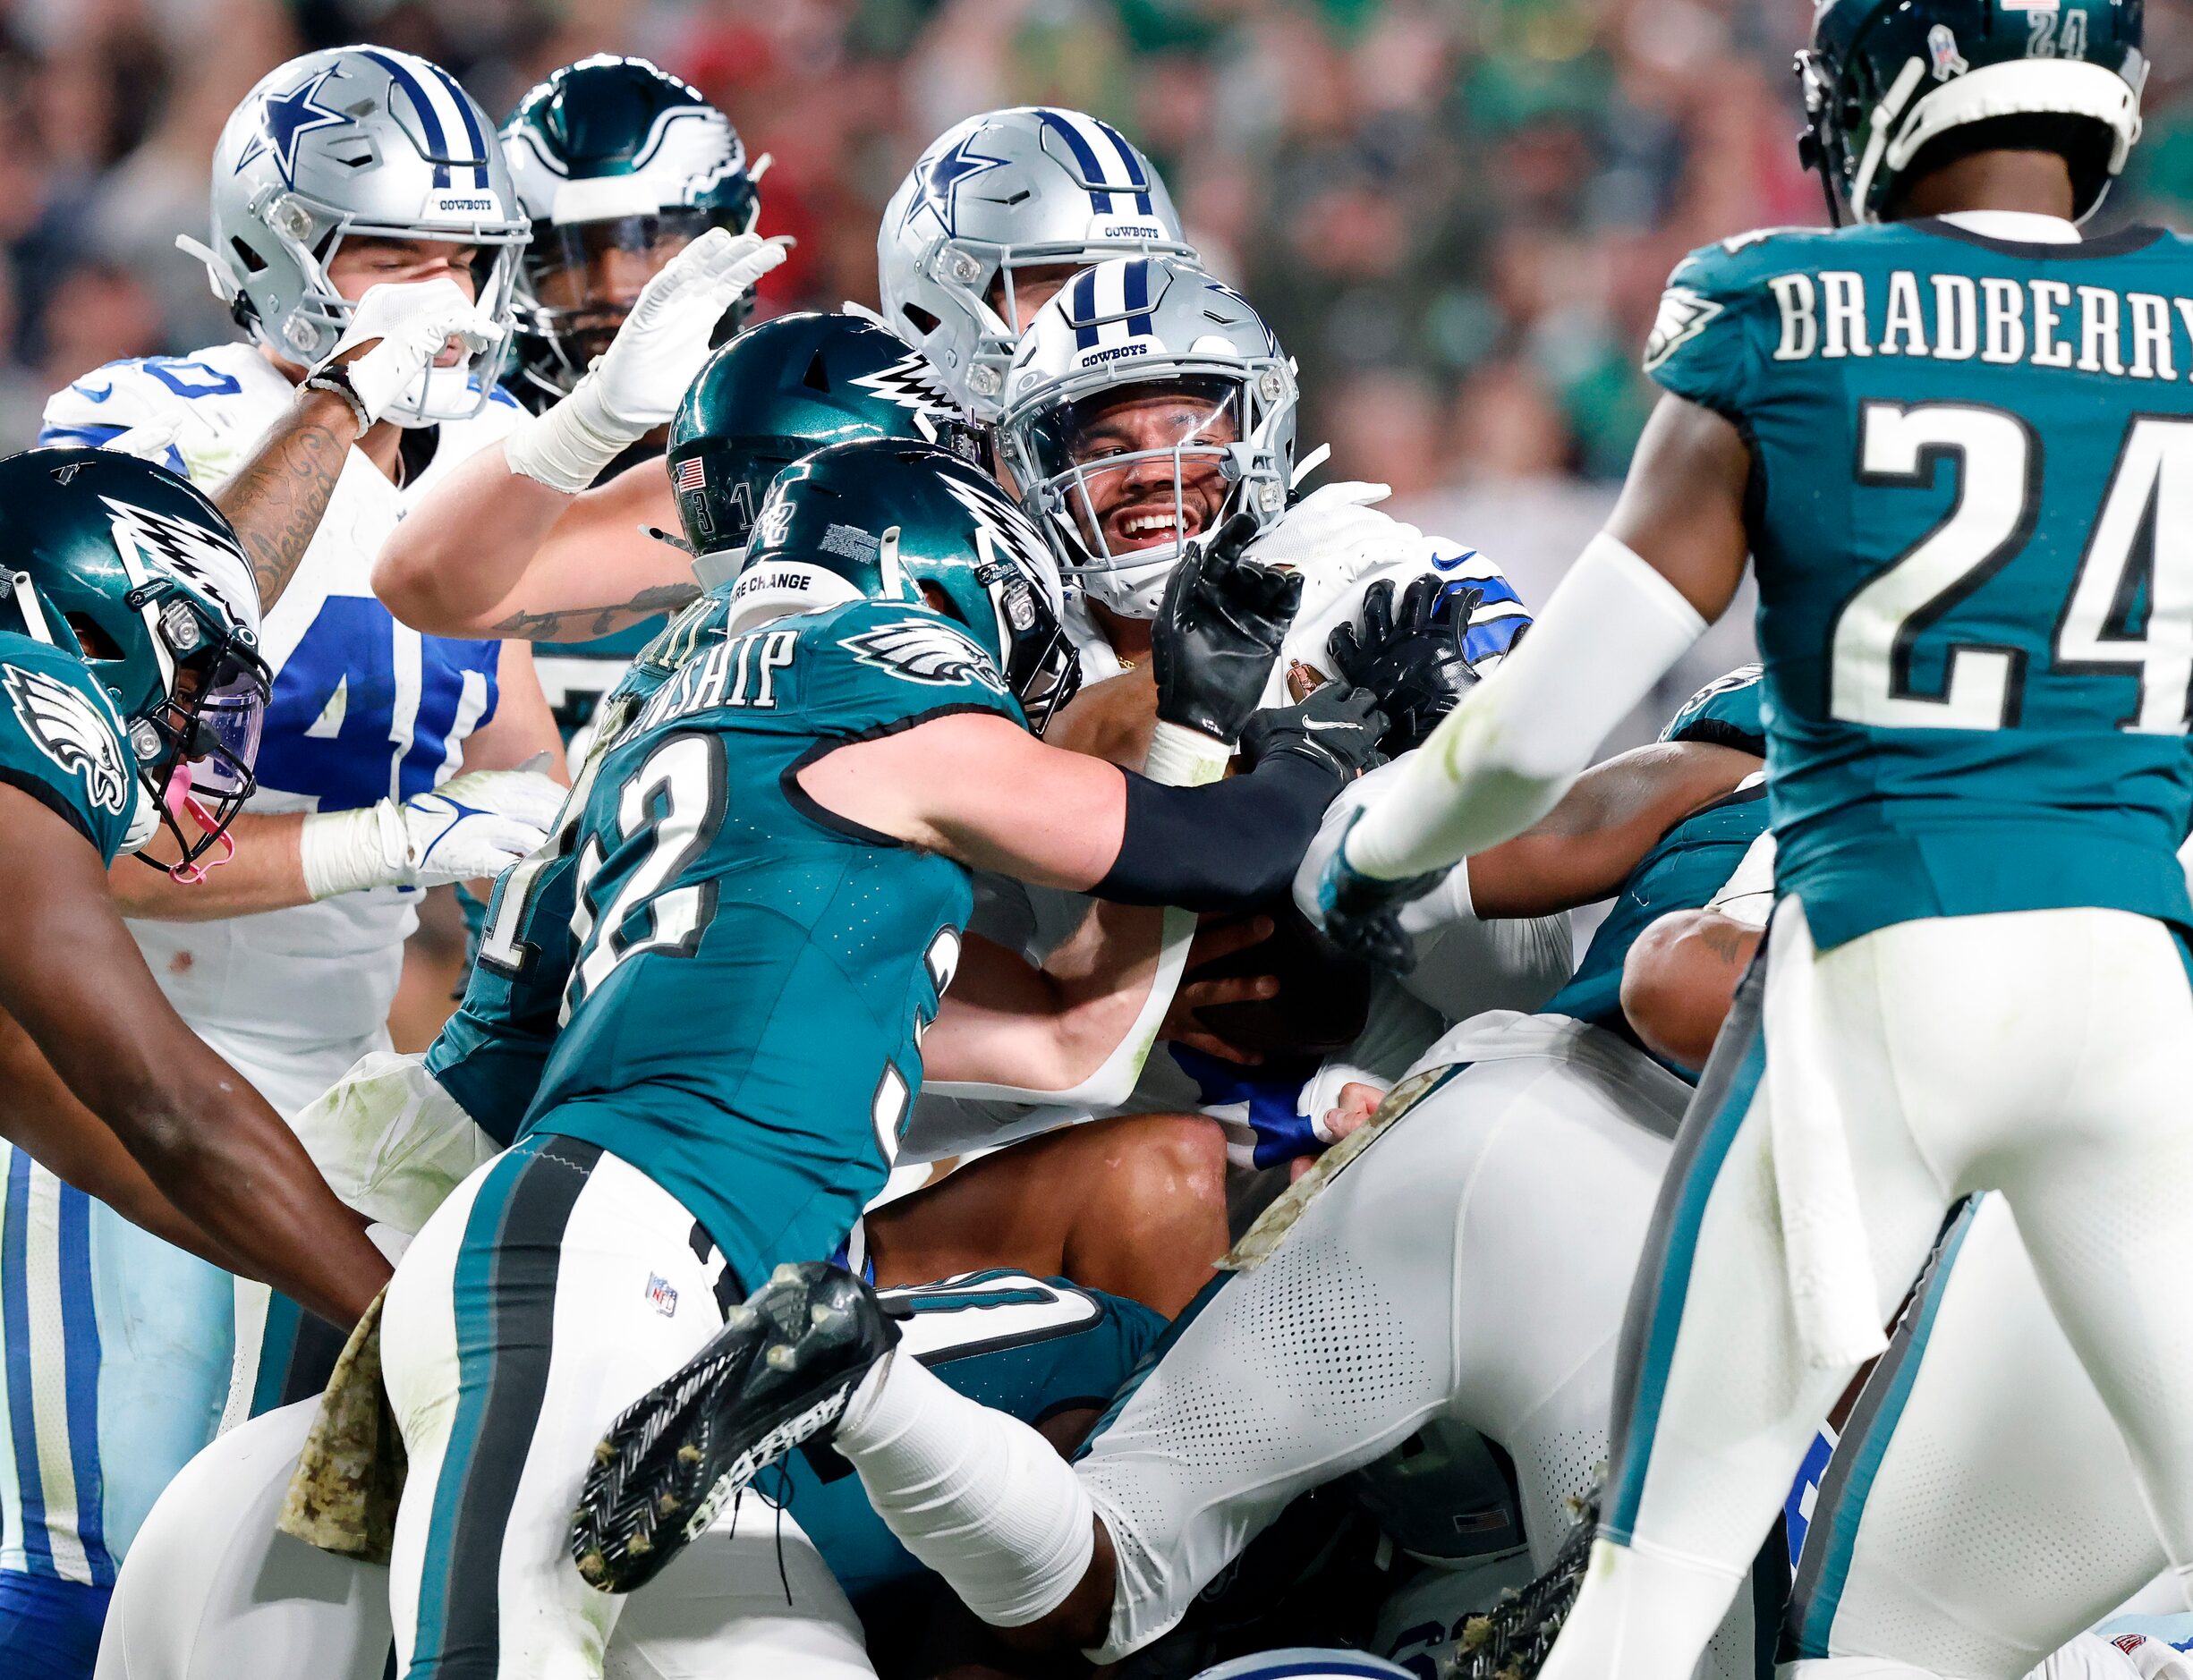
(1998,498)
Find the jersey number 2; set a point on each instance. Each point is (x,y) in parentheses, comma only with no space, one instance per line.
(671,810)
(1998,498)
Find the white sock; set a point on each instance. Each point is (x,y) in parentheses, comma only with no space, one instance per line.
(977,1496)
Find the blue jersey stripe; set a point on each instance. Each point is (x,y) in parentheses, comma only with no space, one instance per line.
(23,1416)
(437,144)
(80,1338)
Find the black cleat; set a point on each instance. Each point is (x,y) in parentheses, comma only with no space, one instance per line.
(779,1372)
(1513,1640)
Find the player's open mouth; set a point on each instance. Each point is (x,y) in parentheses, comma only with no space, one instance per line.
(1150,527)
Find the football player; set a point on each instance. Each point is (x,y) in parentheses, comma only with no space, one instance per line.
(1944,432)
(1033,194)
(1411,1280)
(619,167)
(894,624)
(363,230)
(133,693)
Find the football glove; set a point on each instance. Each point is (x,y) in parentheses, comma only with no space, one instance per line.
(659,350)
(472,827)
(1412,659)
(1219,632)
(1362,914)
(639,381)
(395,334)
(1338,726)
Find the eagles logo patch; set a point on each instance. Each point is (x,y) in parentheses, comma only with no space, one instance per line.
(1684,314)
(925,651)
(70,729)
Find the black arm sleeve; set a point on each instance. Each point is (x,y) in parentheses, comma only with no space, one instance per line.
(1228,845)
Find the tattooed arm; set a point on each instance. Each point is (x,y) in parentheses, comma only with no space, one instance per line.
(276,499)
(1680,976)
(493,552)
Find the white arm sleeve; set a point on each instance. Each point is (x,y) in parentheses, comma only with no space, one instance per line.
(1509,752)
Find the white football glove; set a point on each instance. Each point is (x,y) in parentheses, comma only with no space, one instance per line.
(473,826)
(148,442)
(407,325)
(640,380)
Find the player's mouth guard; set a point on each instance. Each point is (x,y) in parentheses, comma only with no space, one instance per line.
(179,801)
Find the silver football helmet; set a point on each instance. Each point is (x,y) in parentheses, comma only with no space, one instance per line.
(369,142)
(1146,406)
(1030,187)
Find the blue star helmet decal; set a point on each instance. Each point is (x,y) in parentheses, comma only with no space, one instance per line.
(941,184)
(288,117)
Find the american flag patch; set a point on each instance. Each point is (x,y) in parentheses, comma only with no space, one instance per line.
(661,1295)
(691,474)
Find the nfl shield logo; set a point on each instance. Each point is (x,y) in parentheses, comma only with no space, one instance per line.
(661,1296)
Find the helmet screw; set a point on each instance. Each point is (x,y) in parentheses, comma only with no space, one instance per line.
(290,218)
(962,266)
(1270,496)
(1270,386)
(300,334)
(983,381)
(144,742)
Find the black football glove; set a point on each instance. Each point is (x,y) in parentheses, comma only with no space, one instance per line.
(1362,914)
(1218,632)
(1338,726)
(1413,660)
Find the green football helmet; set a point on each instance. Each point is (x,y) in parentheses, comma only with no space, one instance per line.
(132,570)
(888,520)
(1886,80)
(619,166)
(782,390)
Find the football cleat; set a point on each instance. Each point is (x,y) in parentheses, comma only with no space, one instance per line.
(779,1373)
(1513,1640)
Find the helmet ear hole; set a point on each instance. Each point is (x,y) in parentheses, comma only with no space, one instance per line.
(95,641)
(938,601)
(923,321)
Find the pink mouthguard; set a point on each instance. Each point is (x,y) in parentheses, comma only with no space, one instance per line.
(180,800)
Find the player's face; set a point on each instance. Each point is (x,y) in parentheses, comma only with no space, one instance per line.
(360,264)
(1155,497)
(1017,295)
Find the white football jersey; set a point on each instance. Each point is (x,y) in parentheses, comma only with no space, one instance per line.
(363,708)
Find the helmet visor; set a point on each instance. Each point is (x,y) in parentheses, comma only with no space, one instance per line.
(208,733)
(1137,471)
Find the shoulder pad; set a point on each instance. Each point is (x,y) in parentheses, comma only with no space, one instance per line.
(1727,712)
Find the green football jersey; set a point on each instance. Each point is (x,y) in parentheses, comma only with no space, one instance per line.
(1693,860)
(60,741)
(753,974)
(1971,516)
(489,1054)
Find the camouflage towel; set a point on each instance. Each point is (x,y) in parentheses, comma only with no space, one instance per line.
(1262,1239)
(343,1498)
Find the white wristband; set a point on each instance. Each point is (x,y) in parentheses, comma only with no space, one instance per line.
(348,850)
(1181,757)
(566,448)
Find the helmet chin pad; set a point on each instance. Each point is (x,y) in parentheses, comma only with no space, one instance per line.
(1130,592)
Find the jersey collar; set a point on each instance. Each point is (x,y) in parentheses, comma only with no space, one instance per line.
(2017,227)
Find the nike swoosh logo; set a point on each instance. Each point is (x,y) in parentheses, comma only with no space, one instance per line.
(99,396)
(1449,565)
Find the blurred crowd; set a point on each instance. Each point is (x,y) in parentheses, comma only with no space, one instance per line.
(1459,213)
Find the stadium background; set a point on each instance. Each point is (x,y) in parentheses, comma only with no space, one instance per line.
(1458,213)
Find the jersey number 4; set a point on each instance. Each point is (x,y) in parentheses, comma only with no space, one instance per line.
(2141,542)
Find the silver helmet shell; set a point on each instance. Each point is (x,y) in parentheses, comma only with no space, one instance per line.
(1029,187)
(359,142)
(1157,323)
